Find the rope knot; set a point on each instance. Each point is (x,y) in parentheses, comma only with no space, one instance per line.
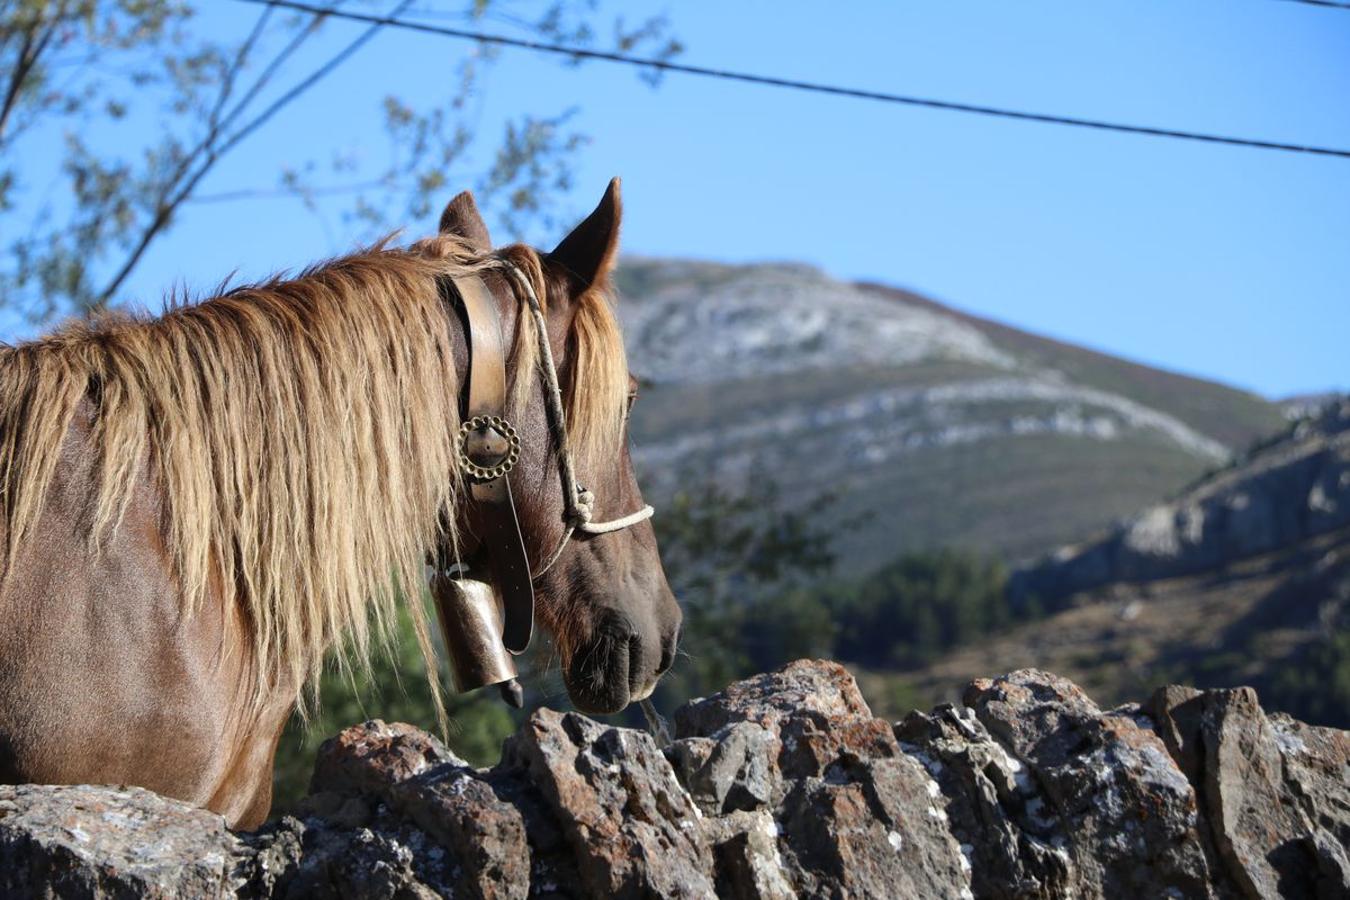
(584,508)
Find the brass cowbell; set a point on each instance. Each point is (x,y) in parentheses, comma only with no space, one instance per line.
(471,618)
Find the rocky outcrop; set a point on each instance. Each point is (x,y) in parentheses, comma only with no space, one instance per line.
(1290,491)
(87,841)
(782,785)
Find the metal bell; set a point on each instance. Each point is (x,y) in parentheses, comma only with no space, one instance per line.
(471,618)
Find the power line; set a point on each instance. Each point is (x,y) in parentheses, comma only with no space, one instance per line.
(814,87)
(1332,4)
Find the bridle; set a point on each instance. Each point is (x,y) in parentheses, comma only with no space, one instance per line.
(579,502)
(489,447)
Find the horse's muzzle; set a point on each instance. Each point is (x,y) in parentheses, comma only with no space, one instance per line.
(619,664)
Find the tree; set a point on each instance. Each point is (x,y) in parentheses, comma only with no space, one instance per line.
(147,72)
(920,604)
(741,564)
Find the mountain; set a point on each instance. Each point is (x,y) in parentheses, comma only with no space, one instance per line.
(1242,578)
(940,428)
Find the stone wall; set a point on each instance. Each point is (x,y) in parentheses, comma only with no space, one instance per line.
(782,785)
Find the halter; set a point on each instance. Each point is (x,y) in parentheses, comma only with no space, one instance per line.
(580,503)
(489,448)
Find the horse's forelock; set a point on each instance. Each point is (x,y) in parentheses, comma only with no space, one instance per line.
(596,393)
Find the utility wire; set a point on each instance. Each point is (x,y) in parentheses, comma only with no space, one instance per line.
(815,87)
(1332,4)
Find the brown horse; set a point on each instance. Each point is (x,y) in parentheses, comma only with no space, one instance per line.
(199,508)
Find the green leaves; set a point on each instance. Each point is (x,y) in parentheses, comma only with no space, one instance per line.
(755,576)
(533,163)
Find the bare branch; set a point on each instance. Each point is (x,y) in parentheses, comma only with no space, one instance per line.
(310,80)
(165,210)
(232,72)
(332,190)
(68,65)
(270,70)
(172,195)
(35,40)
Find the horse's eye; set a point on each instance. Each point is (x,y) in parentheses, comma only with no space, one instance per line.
(632,398)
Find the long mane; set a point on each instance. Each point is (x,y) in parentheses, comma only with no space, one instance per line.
(300,433)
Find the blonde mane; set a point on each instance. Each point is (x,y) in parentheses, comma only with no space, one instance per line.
(301,437)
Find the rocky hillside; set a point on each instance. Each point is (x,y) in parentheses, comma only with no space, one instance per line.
(1242,577)
(1285,493)
(783,785)
(1261,621)
(947,429)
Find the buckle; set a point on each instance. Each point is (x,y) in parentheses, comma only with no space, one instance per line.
(488,448)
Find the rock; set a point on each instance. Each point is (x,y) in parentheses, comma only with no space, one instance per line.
(631,825)
(460,810)
(783,785)
(728,774)
(773,698)
(1276,792)
(415,776)
(87,841)
(387,862)
(1126,813)
(999,815)
(1242,785)
(748,863)
(870,828)
(800,718)
(1283,494)
(853,815)
(813,742)
(369,758)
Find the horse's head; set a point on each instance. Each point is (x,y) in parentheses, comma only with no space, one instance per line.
(604,597)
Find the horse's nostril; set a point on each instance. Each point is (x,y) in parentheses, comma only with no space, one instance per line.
(635,673)
(668,645)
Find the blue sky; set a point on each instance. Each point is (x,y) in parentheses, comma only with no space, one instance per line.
(1229,263)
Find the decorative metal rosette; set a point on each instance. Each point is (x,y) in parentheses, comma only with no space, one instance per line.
(488,448)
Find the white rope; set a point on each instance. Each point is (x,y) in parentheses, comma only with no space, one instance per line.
(580,502)
(586,508)
(641,515)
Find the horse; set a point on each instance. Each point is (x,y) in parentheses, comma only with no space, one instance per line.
(197,509)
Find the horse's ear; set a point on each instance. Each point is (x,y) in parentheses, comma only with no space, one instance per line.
(587,254)
(462,219)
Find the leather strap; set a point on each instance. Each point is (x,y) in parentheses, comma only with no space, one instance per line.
(487,397)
